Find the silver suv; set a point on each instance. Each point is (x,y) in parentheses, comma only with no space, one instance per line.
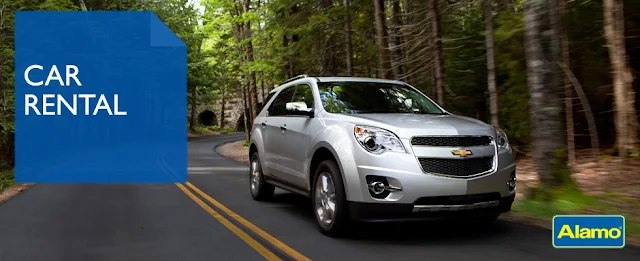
(377,150)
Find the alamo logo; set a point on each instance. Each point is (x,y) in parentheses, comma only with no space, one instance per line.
(588,231)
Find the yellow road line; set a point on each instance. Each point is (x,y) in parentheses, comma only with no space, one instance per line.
(254,244)
(277,243)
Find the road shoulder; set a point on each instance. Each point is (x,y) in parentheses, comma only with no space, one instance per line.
(13,191)
(234,150)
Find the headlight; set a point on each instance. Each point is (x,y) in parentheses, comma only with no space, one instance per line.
(377,140)
(501,138)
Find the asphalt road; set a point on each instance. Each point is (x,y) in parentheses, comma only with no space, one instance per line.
(214,218)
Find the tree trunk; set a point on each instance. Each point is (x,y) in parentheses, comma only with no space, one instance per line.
(591,120)
(192,118)
(543,74)
(83,7)
(262,89)
(382,41)
(194,98)
(222,108)
(253,94)
(396,39)
(626,122)
(328,50)
(245,115)
(347,38)
(491,71)
(272,80)
(408,12)
(568,88)
(437,52)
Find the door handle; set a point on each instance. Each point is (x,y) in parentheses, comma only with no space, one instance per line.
(283,128)
(264,124)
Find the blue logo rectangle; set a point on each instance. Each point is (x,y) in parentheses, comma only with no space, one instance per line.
(588,231)
(100,97)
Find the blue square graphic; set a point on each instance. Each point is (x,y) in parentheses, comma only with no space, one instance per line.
(117,111)
(588,231)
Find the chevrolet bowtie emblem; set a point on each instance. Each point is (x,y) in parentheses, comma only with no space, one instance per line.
(461,152)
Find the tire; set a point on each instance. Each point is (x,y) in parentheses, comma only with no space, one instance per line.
(332,225)
(260,190)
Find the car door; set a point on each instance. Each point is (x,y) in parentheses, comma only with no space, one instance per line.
(296,138)
(268,166)
(274,139)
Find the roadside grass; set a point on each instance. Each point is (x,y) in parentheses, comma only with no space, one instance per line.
(245,144)
(199,130)
(6,179)
(574,203)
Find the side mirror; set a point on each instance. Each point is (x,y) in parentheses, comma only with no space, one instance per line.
(299,108)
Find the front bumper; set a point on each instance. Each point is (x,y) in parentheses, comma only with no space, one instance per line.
(432,208)
(402,170)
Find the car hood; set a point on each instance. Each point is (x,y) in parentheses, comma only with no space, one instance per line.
(409,125)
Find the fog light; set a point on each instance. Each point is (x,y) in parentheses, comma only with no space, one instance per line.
(379,187)
(376,187)
(512,181)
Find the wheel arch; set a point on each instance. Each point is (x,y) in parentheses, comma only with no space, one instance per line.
(324,151)
(253,148)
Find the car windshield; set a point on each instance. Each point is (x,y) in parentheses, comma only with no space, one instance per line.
(374,97)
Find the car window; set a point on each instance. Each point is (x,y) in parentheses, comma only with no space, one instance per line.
(304,94)
(269,96)
(374,97)
(279,103)
(267,99)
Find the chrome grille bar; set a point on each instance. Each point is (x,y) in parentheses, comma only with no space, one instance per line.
(435,208)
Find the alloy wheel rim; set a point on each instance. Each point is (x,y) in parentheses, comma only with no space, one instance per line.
(325,196)
(255,177)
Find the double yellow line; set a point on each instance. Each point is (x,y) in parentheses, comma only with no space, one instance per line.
(262,250)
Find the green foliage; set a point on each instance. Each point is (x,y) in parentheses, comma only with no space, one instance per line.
(560,172)
(465,61)
(6,178)
(563,186)
(223,130)
(209,130)
(511,75)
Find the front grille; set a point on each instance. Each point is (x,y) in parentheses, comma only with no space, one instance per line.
(458,199)
(457,167)
(453,141)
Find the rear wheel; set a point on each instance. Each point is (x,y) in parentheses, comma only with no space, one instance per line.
(260,190)
(329,199)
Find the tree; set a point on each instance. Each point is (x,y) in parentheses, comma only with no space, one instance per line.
(248,48)
(437,51)
(396,39)
(347,39)
(491,70)
(568,88)
(626,123)
(543,78)
(381,41)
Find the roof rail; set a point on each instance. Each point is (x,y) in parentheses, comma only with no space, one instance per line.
(295,78)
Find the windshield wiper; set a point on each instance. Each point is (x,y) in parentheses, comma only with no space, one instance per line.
(430,113)
(380,111)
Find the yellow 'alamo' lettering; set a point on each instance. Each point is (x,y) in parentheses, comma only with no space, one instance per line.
(589,233)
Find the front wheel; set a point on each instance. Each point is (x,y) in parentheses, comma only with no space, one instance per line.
(260,190)
(329,199)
